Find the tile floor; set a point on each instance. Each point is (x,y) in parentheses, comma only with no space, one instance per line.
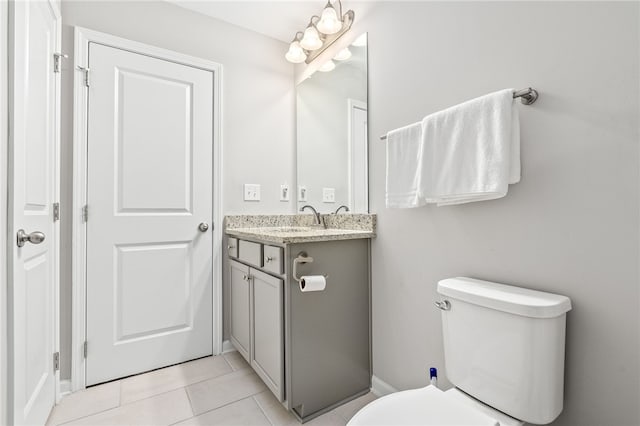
(220,390)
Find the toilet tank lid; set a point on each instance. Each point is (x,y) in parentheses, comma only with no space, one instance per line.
(506,298)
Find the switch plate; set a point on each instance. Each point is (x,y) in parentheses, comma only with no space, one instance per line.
(328,195)
(302,193)
(284,192)
(251,192)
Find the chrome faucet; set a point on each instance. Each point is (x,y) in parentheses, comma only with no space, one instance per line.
(346,209)
(318,220)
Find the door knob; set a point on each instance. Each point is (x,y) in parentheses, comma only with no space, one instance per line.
(203,227)
(33,238)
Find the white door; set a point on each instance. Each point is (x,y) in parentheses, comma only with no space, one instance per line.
(33,190)
(149,256)
(358,154)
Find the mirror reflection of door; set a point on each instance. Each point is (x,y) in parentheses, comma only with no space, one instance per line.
(332,134)
(358,154)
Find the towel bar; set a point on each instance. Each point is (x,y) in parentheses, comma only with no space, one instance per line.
(527,97)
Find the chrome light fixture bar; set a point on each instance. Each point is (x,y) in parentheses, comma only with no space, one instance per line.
(321,32)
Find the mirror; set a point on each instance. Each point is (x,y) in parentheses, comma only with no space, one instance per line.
(332,147)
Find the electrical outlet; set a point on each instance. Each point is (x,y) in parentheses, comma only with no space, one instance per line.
(328,195)
(284,192)
(302,193)
(251,192)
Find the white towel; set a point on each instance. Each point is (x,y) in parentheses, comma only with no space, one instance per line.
(471,151)
(404,167)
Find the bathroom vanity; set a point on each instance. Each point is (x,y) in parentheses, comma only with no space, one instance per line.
(312,349)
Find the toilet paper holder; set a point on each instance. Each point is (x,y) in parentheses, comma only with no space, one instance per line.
(301,258)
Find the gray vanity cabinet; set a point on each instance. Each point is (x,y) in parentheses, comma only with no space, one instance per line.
(240,289)
(268,345)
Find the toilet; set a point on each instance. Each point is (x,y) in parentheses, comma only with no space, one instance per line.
(504,354)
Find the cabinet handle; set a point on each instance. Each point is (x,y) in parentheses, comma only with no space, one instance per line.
(268,259)
(245,277)
(231,247)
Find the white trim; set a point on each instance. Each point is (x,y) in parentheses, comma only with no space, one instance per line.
(4,146)
(65,388)
(82,38)
(227,347)
(57,195)
(380,388)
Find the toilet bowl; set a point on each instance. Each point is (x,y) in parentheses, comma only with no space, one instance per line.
(430,406)
(521,382)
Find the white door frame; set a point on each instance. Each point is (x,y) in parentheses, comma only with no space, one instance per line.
(6,279)
(4,147)
(351,104)
(82,38)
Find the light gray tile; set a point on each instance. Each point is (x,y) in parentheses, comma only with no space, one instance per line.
(274,410)
(215,393)
(86,402)
(243,412)
(327,419)
(156,382)
(348,410)
(236,360)
(165,409)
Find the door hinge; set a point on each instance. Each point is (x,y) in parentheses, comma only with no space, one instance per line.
(85,213)
(57,61)
(84,349)
(85,71)
(56,361)
(56,212)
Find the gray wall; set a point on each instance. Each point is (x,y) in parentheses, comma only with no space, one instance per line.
(571,225)
(258,105)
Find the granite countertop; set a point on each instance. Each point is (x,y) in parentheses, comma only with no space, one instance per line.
(286,235)
(286,229)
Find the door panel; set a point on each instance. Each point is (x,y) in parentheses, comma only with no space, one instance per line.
(149,267)
(33,177)
(268,317)
(240,289)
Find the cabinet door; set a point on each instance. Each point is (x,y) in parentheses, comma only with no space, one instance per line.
(268,349)
(240,290)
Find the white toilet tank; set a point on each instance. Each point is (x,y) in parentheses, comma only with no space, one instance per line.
(504,345)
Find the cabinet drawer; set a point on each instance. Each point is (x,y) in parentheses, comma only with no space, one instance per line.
(272,259)
(250,252)
(232,247)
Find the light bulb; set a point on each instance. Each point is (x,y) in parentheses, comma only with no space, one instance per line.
(329,22)
(327,66)
(343,55)
(311,39)
(295,53)
(360,41)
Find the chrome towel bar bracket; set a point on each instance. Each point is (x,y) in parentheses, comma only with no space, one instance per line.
(301,258)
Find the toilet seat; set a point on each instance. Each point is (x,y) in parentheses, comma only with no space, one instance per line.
(429,406)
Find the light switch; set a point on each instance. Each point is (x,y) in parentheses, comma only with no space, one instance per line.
(251,192)
(328,195)
(284,192)
(302,193)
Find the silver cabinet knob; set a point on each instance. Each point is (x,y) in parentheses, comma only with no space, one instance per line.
(231,247)
(268,259)
(33,238)
(203,227)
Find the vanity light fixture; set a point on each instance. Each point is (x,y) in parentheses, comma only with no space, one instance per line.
(343,55)
(327,66)
(296,52)
(321,32)
(360,41)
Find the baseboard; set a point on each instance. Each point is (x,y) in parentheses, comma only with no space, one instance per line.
(65,387)
(380,388)
(227,347)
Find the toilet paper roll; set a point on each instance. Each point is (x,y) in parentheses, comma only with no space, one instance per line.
(312,283)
